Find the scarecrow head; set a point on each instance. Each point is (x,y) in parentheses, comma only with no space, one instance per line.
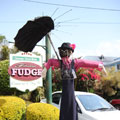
(66,49)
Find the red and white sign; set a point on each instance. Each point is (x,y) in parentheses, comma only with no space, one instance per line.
(25,71)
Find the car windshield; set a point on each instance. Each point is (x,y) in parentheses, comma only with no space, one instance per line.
(94,102)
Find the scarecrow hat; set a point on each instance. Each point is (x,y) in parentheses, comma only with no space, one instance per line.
(67,46)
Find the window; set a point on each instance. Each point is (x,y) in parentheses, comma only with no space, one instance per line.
(93,102)
(118,66)
(56,98)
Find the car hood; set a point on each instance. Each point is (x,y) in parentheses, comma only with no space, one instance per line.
(105,115)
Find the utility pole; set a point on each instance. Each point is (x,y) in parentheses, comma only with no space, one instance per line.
(49,72)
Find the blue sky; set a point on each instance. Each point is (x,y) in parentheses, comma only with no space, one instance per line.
(94,31)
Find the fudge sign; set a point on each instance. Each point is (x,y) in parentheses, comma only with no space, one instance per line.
(25,71)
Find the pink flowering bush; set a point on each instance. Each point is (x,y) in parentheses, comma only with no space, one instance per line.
(86,79)
(56,80)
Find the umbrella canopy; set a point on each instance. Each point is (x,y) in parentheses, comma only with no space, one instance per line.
(32,32)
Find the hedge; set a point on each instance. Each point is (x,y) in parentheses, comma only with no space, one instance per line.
(12,108)
(4,79)
(42,111)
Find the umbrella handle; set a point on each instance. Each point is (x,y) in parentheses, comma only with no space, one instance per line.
(53,47)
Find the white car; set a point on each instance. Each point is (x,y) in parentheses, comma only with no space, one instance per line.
(90,106)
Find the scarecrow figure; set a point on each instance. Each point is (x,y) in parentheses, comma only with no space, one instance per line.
(68,109)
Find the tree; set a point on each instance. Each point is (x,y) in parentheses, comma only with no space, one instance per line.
(5,52)
(14,50)
(4,49)
(3,40)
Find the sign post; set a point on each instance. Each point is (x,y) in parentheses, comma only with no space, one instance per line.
(49,72)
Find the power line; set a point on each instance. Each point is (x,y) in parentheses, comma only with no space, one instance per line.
(54,12)
(12,21)
(66,22)
(62,14)
(72,6)
(90,23)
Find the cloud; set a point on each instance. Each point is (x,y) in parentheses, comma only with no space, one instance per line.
(109,48)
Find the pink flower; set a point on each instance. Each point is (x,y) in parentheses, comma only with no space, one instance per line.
(53,68)
(82,78)
(91,69)
(73,46)
(99,69)
(84,75)
(98,77)
(92,76)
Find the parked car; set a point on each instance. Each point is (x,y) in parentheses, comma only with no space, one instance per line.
(116,103)
(90,106)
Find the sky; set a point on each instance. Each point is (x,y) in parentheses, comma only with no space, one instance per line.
(93,25)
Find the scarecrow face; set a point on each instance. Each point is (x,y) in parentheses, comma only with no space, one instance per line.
(65,52)
(66,49)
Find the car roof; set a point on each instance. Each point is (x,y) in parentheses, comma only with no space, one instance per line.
(77,93)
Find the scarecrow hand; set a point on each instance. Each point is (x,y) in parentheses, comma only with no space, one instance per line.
(44,73)
(103,68)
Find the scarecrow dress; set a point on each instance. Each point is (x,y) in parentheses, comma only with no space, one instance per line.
(68,108)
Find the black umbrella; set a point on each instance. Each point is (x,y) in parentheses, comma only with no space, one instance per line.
(32,32)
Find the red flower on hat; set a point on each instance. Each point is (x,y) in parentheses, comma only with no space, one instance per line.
(73,46)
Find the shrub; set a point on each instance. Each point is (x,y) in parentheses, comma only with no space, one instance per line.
(87,79)
(109,85)
(12,108)
(56,80)
(42,111)
(4,79)
(37,94)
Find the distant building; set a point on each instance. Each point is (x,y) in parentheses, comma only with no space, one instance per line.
(115,62)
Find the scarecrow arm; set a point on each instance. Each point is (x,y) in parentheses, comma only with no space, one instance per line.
(52,62)
(87,64)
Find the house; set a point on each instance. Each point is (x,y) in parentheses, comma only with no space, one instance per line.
(115,62)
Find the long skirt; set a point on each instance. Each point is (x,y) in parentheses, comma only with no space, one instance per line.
(68,109)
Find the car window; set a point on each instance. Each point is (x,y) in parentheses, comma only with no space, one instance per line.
(56,98)
(93,102)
